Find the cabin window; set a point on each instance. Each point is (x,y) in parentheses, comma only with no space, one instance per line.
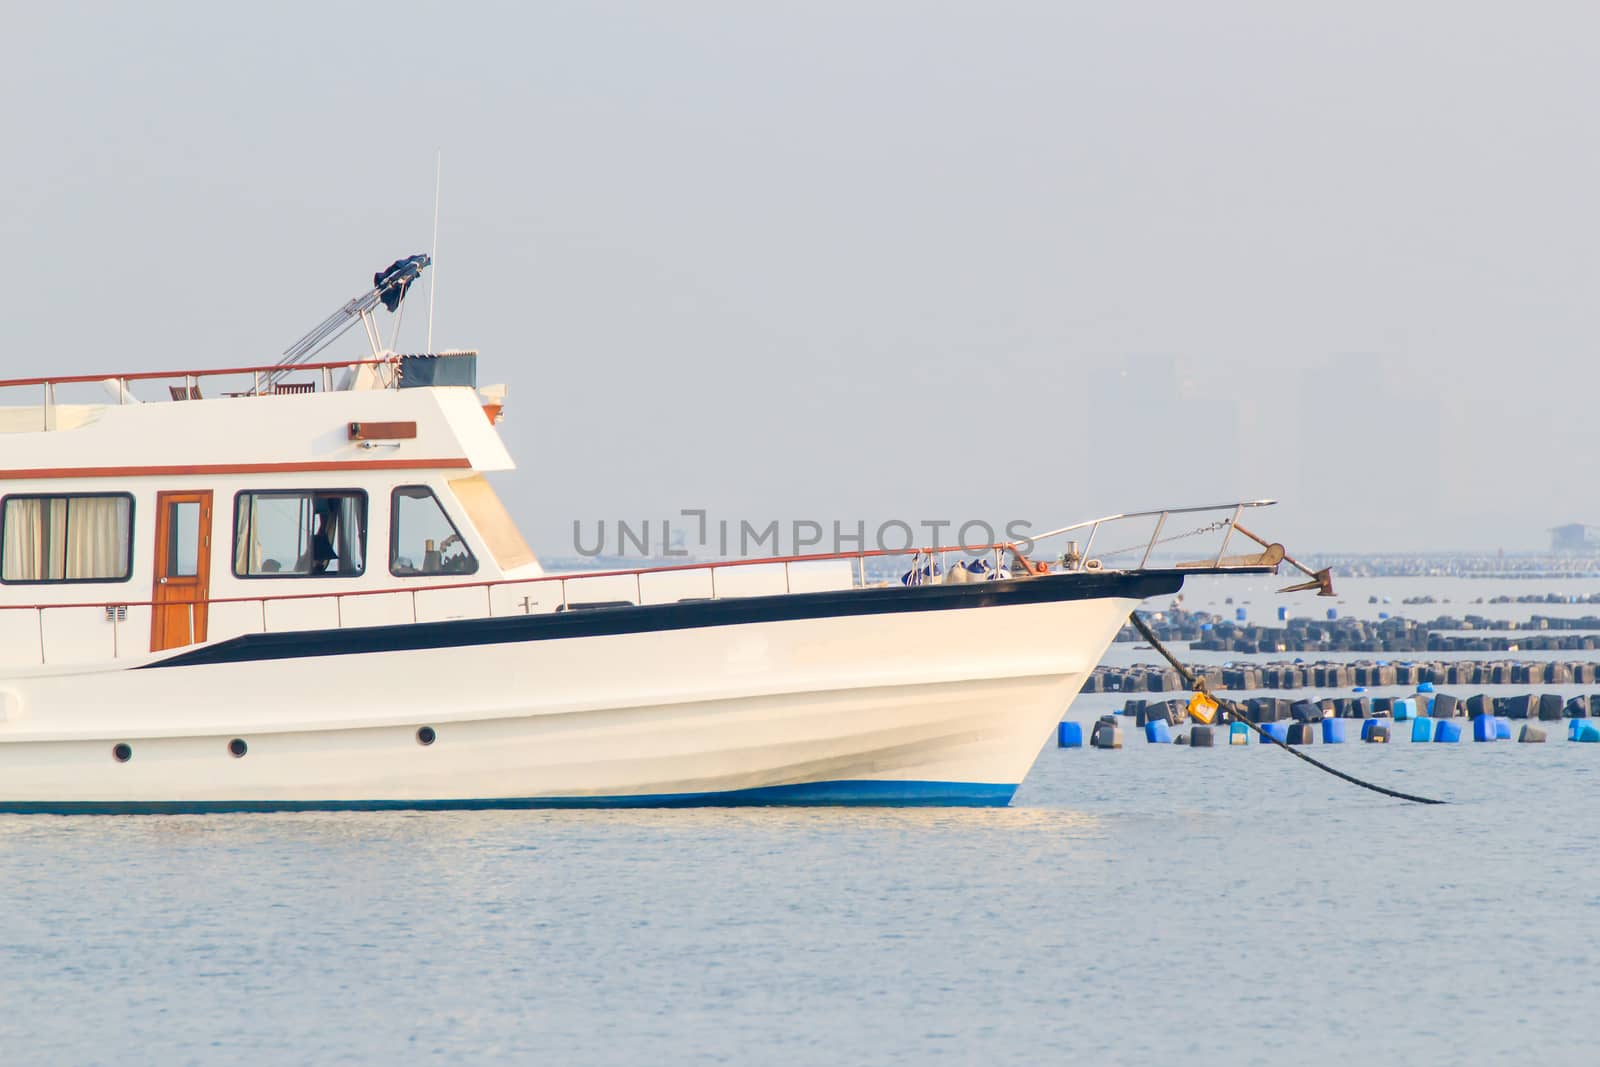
(422,539)
(78,538)
(183,539)
(309,533)
(491,521)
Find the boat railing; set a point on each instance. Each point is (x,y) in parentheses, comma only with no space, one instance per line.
(59,631)
(254,380)
(1155,539)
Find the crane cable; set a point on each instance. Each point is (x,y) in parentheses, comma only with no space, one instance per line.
(1193,682)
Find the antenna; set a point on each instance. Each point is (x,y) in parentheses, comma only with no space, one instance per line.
(433,277)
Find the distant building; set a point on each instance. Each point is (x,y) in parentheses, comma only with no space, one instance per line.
(1573,537)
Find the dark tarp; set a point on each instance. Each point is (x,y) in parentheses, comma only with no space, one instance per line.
(397,277)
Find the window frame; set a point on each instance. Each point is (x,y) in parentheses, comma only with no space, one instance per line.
(394,535)
(366,532)
(133,505)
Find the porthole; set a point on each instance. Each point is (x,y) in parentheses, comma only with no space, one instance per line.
(426,736)
(122,753)
(238,747)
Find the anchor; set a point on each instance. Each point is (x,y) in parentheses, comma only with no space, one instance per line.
(1321,581)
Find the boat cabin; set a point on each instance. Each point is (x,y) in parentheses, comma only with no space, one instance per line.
(166,514)
(150,511)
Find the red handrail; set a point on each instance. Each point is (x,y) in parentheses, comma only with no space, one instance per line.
(148,375)
(570,576)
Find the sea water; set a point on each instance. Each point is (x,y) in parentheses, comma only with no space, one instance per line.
(1154,904)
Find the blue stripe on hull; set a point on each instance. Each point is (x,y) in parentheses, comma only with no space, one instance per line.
(859,793)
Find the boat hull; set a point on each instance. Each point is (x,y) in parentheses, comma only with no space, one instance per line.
(942,695)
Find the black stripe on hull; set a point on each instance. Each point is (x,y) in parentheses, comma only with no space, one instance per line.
(683,615)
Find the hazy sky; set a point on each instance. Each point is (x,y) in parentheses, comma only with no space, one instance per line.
(862,260)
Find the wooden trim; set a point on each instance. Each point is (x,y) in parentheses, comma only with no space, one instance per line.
(308,466)
(383,431)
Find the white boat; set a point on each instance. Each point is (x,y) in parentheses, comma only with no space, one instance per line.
(291,587)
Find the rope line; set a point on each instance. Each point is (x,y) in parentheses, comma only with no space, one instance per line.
(1189,677)
(1220,524)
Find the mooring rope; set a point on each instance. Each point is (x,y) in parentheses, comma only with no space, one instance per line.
(1189,678)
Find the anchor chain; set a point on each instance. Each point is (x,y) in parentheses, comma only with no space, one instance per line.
(1220,524)
(1193,682)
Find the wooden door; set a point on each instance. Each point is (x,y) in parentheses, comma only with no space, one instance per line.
(182,569)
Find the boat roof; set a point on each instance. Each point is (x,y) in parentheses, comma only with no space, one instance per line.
(348,415)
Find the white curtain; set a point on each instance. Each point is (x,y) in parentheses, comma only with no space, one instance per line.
(246,539)
(352,523)
(23,536)
(73,538)
(96,537)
